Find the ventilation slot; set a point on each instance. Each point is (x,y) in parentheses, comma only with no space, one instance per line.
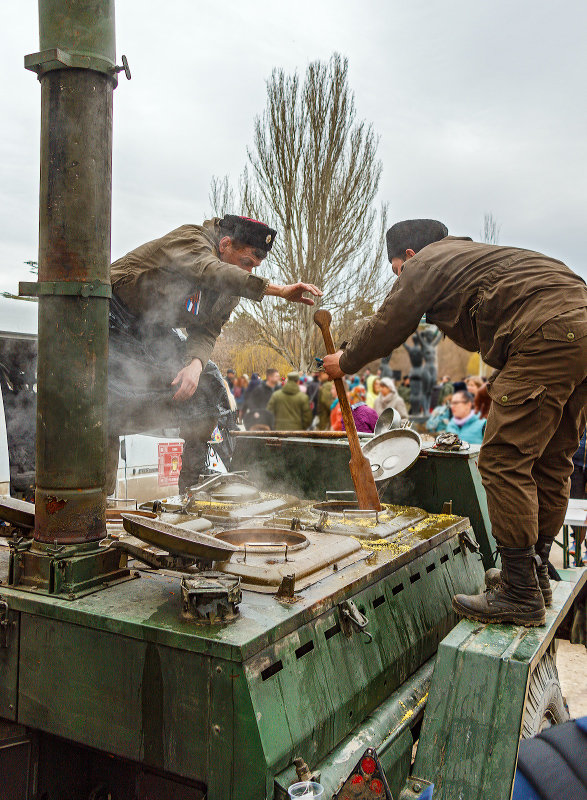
(397,589)
(272,670)
(415,577)
(332,631)
(379,601)
(443,559)
(456,551)
(431,567)
(305,648)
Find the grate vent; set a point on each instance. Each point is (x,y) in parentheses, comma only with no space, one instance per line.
(272,670)
(305,648)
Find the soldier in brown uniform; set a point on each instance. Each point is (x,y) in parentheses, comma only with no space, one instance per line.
(527,315)
(188,280)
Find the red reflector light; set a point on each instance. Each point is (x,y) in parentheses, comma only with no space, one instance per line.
(357,779)
(376,786)
(368,765)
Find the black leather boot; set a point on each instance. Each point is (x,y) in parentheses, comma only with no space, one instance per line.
(542,549)
(516,600)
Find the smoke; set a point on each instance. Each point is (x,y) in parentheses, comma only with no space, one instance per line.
(18,368)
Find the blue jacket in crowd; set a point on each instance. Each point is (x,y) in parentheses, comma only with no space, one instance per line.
(472,431)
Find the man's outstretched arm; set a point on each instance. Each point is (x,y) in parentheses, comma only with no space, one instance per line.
(414,292)
(294,292)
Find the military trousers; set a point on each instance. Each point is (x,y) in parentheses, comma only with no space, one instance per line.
(533,429)
(142,362)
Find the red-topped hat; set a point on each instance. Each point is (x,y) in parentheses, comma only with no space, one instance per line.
(248,231)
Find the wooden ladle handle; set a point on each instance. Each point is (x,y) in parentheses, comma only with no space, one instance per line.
(323,318)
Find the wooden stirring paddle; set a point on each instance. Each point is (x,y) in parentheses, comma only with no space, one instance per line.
(361,471)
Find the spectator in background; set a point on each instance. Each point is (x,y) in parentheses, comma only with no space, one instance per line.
(482,402)
(290,407)
(404,390)
(446,389)
(465,422)
(255,411)
(324,401)
(438,420)
(365,417)
(372,390)
(253,383)
(389,398)
(312,391)
(474,383)
(240,385)
(230,379)
(335,410)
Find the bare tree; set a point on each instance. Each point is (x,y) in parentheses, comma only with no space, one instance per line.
(313,174)
(221,196)
(491,229)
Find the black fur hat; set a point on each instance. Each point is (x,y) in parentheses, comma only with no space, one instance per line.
(248,231)
(413,234)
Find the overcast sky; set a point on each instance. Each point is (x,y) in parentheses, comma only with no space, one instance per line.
(480,107)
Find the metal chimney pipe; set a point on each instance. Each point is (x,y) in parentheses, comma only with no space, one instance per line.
(77,71)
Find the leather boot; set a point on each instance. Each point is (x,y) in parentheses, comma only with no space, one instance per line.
(542,548)
(517,599)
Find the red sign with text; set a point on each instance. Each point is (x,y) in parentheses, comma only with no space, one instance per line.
(169,463)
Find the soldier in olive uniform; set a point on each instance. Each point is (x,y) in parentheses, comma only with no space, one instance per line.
(189,280)
(527,315)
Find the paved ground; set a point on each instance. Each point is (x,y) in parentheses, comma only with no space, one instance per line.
(571,661)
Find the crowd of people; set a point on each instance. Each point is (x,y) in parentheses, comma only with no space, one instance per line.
(301,401)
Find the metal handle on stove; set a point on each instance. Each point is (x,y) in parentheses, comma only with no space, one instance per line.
(360,513)
(264,544)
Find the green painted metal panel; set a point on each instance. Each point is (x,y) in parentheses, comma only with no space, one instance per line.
(130,698)
(9,636)
(315,685)
(469,742)
(249,772)
(387,728)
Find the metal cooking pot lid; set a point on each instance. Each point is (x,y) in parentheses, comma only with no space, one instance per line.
(389,420)
(176,540)
(235,492)
(17,512)
(392,452)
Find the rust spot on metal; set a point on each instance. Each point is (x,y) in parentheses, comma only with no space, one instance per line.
(54,504)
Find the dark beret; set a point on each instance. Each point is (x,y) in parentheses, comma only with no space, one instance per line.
(248,231)
(413,234)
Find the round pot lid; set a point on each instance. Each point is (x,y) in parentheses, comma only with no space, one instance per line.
(389,420)
(176,540)
(392,452)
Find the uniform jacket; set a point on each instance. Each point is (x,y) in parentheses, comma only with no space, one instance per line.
(290,407)
(484,297)
(178,281)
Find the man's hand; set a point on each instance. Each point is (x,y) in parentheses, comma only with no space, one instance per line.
(188,378)
(331,365)
(294,292)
